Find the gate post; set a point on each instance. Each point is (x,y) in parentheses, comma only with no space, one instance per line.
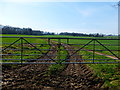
(49,41)
(59,45)
(67,41)
(21,49)
(93,50)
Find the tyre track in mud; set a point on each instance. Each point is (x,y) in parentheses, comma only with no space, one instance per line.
(74,76)
(82,76)
(23,77)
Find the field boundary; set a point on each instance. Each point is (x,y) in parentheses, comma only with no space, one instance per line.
(24,40)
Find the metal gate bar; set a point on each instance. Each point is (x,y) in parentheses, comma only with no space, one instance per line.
(58,44)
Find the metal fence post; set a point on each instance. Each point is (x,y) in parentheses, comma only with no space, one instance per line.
(49,41)
(67,41)
(21,49)
(59,43)
(93,50)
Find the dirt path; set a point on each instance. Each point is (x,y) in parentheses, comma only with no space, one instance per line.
(112,57)
(75,76)
(106,55)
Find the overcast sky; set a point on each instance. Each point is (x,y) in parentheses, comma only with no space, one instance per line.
(81,17)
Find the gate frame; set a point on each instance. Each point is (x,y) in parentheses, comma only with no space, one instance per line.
(21,39)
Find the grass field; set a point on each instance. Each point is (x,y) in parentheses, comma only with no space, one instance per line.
(28,49)
(110,44)
(108,72)
(30,52)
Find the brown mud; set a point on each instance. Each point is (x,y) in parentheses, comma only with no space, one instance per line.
(73,77)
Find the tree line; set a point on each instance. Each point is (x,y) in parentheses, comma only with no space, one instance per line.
(29,31)
(23,31)
(81,34)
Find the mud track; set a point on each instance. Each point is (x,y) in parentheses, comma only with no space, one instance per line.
(74,76)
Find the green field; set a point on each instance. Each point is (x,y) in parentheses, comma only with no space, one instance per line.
(28,49)
(30,52)
(110,73)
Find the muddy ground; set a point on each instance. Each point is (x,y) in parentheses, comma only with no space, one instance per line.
(74,76)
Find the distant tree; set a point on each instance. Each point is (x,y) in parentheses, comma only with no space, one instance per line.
(6,30)
(81,34)
(37,32)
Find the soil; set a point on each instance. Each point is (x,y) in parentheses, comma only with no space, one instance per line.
(74,76)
